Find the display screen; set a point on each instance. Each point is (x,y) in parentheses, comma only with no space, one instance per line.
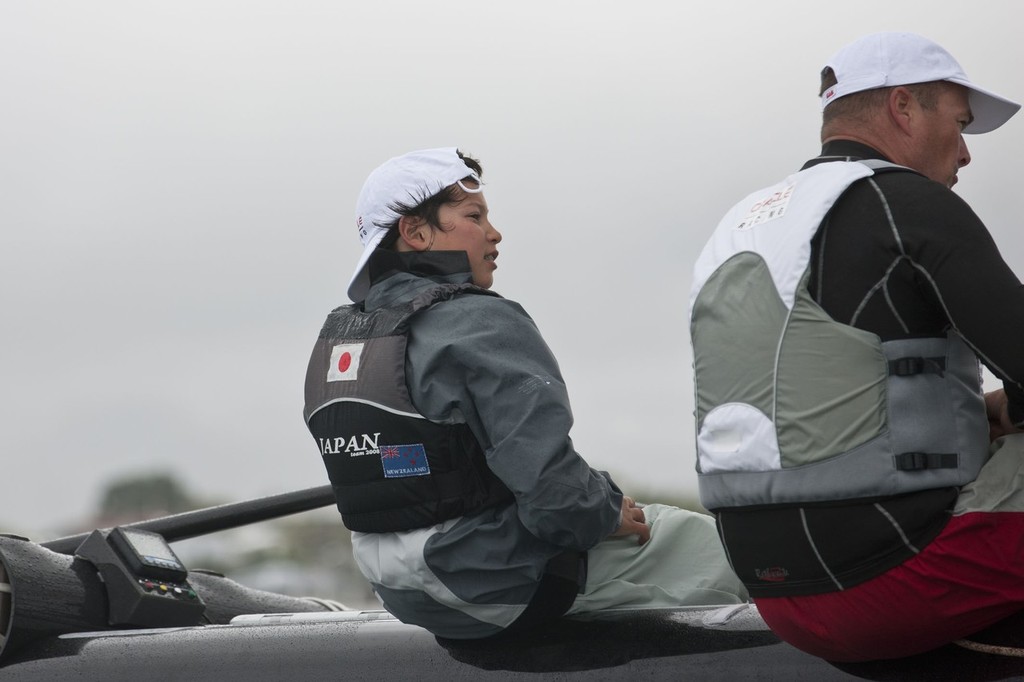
(147,554)
(150,545)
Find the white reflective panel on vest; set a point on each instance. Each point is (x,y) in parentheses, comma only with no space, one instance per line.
(738,437)
(777,223)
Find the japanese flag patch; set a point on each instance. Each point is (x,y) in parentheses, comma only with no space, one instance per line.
(344,362)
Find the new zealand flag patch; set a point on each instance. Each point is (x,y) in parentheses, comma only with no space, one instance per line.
(404,460)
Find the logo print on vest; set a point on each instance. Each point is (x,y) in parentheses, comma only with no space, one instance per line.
(344,362)
(774,574)
(404,460)
(767,208)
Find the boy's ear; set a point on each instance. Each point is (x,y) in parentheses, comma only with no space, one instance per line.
(413,234)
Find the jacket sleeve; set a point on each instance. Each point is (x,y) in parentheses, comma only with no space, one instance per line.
(904,256)
(481,359)
(981,295)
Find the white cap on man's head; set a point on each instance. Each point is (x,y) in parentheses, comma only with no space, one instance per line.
(882,60)
(406,180)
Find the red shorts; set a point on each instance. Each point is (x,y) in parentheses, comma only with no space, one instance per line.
(969,577)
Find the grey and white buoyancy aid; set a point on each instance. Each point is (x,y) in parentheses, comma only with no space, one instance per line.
(390,467)
(795,407)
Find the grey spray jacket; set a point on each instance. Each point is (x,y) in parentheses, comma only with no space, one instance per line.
(480,361)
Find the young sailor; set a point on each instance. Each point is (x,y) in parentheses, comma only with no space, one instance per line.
(443,422)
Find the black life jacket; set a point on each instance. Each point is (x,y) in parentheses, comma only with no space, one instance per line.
(391,468)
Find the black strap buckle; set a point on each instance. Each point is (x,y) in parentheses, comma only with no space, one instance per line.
(919,461)
(909,366)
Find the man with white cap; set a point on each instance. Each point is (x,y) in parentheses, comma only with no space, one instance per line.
(443,422)
(837,320)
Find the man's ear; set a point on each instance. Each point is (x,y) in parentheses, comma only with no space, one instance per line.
(413,234)
(903,108)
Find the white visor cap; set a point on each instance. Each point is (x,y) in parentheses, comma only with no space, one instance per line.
(882,60)
(408,181)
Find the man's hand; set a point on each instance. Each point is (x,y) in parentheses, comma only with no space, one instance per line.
(997,407)
(633,522)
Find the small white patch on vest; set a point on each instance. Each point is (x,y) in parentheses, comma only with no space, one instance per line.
(724,441)
(767,208)
(737,437)
(344,362)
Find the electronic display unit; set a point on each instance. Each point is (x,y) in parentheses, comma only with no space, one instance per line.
(148,554)
(146,583)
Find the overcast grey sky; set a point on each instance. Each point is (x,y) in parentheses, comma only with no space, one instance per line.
(177,182)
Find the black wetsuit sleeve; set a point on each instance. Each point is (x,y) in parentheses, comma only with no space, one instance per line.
(983,297)
(906,257)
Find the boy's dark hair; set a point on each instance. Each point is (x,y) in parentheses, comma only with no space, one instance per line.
(428,208)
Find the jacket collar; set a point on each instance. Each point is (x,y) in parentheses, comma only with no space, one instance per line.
(845,150)
(398,276)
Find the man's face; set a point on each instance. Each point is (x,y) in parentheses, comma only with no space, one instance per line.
(939,149)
